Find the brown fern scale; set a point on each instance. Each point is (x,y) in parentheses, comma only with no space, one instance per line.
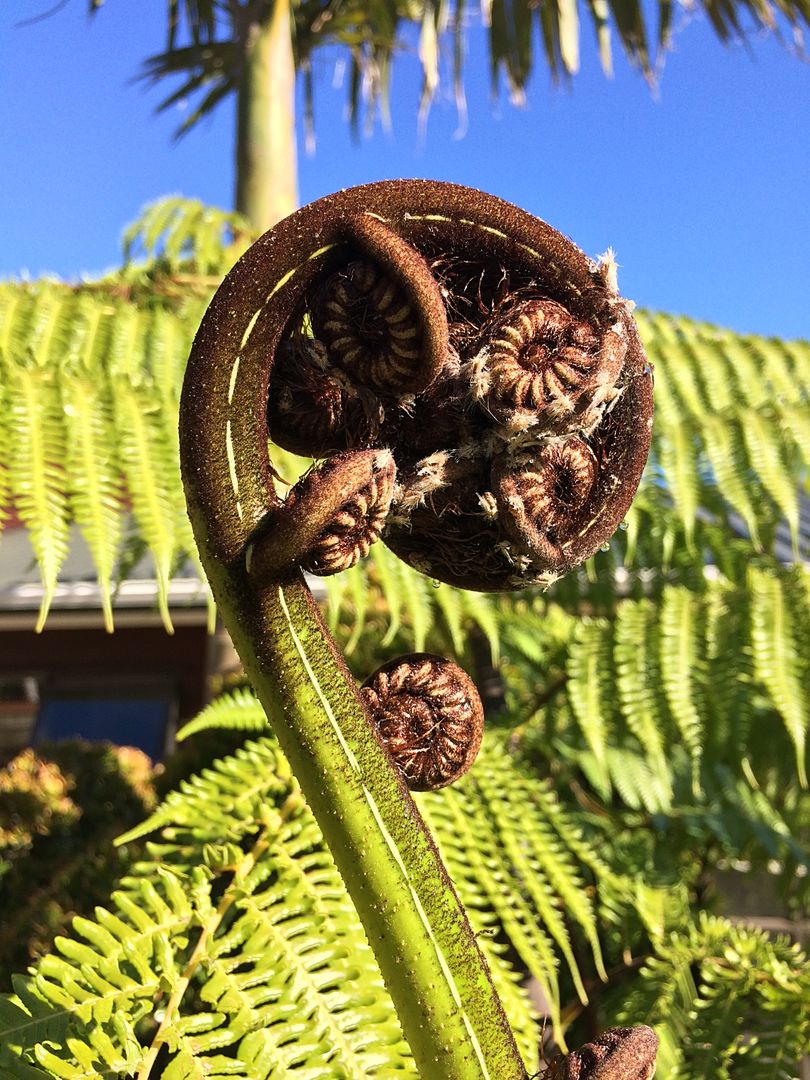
(429,717)
(482,349)
(617,1054)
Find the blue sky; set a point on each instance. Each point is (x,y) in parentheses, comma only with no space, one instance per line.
(702,189)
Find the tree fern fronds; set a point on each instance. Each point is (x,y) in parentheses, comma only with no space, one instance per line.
(118,970)
(273,965)
(124,361)
(728,658)
(745,1016)
(36,451)
(541,853)
(87,341)
(636,783)
(166,344)
(679,460)
(680,640)
(482,612)
(531,871)
(798,353)
(5,438)
(726,453)
(777,661)
(636,654)
(481,874)
(418,605)
(237,711)
(358,592)
(719,391)
(767,457)
(778,371)
(386,568)
(690,395)
(451,605)
(745,371)
(589,679)
(93,475)
(151,478)
(182,231)
(796,420)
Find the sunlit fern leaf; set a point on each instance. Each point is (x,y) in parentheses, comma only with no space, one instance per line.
(5,479)
(166,347)
(767,457)
(541,856)
(358,594)
(36,454)
(730,706)
(480,873)
(638,683)
(184,233)
(149,471)
(726,454)
(681,649)
(237,711)
(386,570)
(238,924)
(689,394)
(483,613)
(636,782)
(745,1015)
(336,587)
(677,451)
(590,693)
(93,476)
(418,605)
(451,606)
(778,663)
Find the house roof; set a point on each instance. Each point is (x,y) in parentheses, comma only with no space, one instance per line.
(78,592)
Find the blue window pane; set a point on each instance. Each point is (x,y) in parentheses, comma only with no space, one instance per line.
(140,722)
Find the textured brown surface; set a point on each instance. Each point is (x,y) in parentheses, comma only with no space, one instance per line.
(617,1054)
(428,318)
(429,716)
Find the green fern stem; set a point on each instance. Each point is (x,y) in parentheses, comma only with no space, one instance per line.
(417,927)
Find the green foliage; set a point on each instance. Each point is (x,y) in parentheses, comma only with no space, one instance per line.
(655,731)
(234,921)
(91,378)
(61,806)
(206,43)
(726,1001)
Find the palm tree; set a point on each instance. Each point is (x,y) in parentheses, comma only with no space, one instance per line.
(256,48)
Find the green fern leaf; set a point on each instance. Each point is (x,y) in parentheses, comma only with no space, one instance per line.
(152,478)
(236,711)
(37,453)
(767,457)
(589,664)
(777,662)
(680,653)
(93,477)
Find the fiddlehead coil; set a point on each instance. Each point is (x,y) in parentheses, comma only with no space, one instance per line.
(429,716)
(617,1054)
(496,364)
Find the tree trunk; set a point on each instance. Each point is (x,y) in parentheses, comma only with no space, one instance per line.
(266,161)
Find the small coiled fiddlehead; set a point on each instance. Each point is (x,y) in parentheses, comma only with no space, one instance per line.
(481,397)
